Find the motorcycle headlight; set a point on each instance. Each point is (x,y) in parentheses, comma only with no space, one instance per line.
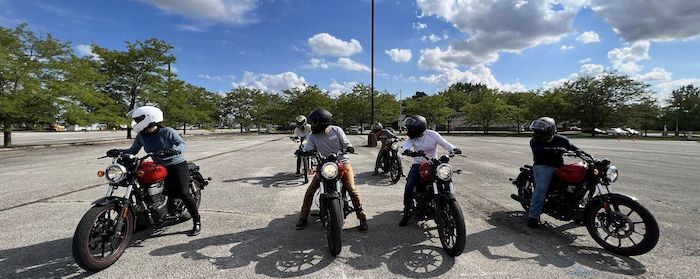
(329,170)
(612,173)
(115,173)
(444,171)
(395,146)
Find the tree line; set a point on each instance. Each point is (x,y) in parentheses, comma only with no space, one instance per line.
(43,81)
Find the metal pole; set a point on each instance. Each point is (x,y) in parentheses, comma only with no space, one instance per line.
(372,79)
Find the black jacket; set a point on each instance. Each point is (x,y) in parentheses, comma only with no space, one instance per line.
(550,153)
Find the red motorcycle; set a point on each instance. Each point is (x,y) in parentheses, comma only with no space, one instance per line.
(105,230)
(582,192)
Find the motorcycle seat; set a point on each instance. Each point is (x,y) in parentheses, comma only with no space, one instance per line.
(192,167)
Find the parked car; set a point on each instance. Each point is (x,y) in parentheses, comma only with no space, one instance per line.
(617,132)
(598,131)
(354,130)
(574,128)
(631,131)
(56,128)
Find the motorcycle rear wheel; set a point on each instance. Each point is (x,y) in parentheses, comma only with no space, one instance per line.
(194,191)
(95,231)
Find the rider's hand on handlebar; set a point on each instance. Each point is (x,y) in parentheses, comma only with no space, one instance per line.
(456,151)
(350,149)
(167,152)
(113,152)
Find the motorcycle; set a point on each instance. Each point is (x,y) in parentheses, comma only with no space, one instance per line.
(581,192)
(392,163)
(105,230)
(435,198)
(333,200)
(308,162)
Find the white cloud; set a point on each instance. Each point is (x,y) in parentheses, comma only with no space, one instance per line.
(419,25)
(625,59)
(228,11)
(586,70)
(519,26)
(664,89)
(588,37)
(86,51)
(326,44)
(476,74)
(583,61)
(656,75)
(566,47)
(651,20)
(351,65)
(399,55)
(433,38)
(189,27)
(215,77)
(337,88)
(267,82)
(342,63)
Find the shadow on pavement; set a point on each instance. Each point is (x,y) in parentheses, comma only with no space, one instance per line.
(551,246)
(51,259)
(280,251)
(279,180)
(368,178)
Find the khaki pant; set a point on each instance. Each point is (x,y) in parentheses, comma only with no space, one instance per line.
(348,181)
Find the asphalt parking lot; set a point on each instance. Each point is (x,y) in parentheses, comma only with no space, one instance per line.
(250,208)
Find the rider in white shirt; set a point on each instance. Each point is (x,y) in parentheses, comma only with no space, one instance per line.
(302,131)
(420,139)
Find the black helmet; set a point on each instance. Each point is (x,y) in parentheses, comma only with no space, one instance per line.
(415,125)
(377,127)
(319,120)
(543,129)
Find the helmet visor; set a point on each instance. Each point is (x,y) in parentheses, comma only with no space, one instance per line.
(139,118)
(538,125)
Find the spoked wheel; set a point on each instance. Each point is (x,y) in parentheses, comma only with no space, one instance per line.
(96,245)
(395,169)
(194,191)
(333,223)
(628,230)
(451,228)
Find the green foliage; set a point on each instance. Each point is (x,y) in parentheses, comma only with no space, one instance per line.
(433,107)
(302,101)
(684,108)
(490,109)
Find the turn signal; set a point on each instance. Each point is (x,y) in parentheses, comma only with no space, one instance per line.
(100,173)
(140,173)
(596,172)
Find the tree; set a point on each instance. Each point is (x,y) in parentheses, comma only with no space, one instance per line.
(433,108)
(684,105)
(596,99)
(142,65)
(184,104)
(302,101)
(644,115)
(518,107)
(28,64)
(238,105)
(489,110)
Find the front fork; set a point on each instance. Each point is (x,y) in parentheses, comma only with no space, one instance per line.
(124,208)
(609,212)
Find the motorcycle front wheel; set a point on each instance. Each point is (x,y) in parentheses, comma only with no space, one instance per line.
(629,229)
(395,169)
(451,228)
(333,223)
(95,243)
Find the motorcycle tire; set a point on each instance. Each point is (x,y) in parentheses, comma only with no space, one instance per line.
(334,229)
(82,252)
(196,192)
(395,169)
(450,223)
(651,227)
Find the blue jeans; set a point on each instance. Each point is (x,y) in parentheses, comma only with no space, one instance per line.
(543,177)
(412,180)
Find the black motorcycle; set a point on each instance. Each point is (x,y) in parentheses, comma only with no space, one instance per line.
(309,162)
(105,230)
(434,198)
(333,200)
(581,193)
(391,162)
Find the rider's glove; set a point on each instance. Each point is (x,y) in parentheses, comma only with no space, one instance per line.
(298,152)
(113,152)
(168,152)
(456,151)
(350,149)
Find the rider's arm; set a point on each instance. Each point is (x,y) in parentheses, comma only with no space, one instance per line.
(309,144)
(389,134)
(176,140)
(442,142)
(297,132)
(135,146)
(407,145)
(345,140)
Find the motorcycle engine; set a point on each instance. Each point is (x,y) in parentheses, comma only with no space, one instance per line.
(564,202)
(156,200)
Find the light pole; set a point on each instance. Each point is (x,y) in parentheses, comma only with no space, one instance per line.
(372,72)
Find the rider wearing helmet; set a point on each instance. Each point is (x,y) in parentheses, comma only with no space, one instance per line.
(547,149)
(383,135)
(155,138)
(425,140)
(328,139)
(302,130)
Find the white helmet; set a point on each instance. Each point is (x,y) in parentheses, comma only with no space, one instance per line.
(144,116)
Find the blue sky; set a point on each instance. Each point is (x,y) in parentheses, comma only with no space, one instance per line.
(421,45)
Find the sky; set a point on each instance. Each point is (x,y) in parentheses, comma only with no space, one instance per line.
(422,45)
